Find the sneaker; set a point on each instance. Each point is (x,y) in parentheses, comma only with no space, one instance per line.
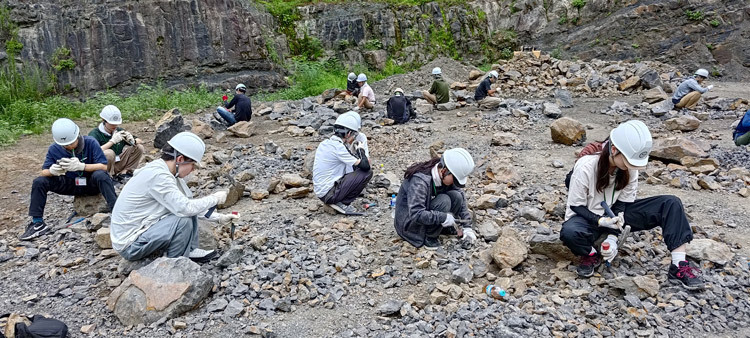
(686,275)
(218,117)
(201,256)
(431,244)
(343,208)
(588,264)
(34,230)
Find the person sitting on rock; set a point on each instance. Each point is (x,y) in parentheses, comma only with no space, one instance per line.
(484,93)
(339,175)
(611,176)
(75,165)
(440,90)
(431,197)
(124,151)
(689,91)
(352,87)
(366,95)
(360,140)
(156,210)
(398,107)
(243,110)
(741,133)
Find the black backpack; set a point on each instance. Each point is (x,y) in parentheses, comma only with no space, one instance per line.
(41,327)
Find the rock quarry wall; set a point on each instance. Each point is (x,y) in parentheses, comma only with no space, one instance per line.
(119,44)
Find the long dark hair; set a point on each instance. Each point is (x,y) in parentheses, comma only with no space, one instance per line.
(602,171)
(421,167)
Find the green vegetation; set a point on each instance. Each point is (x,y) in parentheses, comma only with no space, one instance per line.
(373,44)
(710,46)
(635,46)
(312,78)
(563,19)
(714,23)
(61,59)
(513,8)
(578,4)
(694,16)
(715,71)
(556,53)
(486,67)
(481,15)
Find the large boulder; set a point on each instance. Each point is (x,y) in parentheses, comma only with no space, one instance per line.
(294,180)
(551,110)
(650,79)
(390,181)
(563,98)
(87,206)
(509,250)
(567,131)
(654,95)
(376,58)
(674,148)
(168,126)
(709,250)
(202,129)
(550,246)
(242,129)
(630,83)
(682,123)
(167,288)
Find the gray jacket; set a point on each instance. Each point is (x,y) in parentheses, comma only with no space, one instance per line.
(686,87)
(413,214)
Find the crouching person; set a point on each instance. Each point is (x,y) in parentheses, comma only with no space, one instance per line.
(75,165)
(399,108)
(340,175)
(431,202)
(124,151)
(611,176)
(156,210)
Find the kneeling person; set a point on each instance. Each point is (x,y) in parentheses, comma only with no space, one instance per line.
(75,165)
(124,151)
(339,176)
(156,210)
(431,198)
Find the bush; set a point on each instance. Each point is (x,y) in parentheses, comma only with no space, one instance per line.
(578,4)
(61,59)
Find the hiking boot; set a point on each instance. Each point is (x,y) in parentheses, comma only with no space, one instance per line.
(686,275)
(201,256)
(343,208)
(34,230)
(588,264)
(431,244)
(218,117)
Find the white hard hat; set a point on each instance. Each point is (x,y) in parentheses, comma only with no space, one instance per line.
(436,71)
(352,76)
(356,116)
(459,163)
(111,114)
(240,86)
(362,77)
(398,90)
(189,145)
(633,140)
(347,121)
(494,74)
(64,131)
(702,72)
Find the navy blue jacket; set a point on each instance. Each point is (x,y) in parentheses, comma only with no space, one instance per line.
(88,151)
(743,127)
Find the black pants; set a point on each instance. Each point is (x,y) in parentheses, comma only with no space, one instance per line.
(348,187)
(449,201)
(664,211)
(98,182)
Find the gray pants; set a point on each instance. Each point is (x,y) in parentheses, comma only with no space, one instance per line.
(449,201)
(177,236)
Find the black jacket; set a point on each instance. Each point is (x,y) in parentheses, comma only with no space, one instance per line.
(413,213)
(399,109)
(483,89)
(243,110)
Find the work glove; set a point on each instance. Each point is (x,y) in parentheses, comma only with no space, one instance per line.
(56,170)
(469,235)
(710,87)
(129,138)
(612,222)
(72,164)
(223,218)
(609,254)
(224,98)
(221,196)
(449,220)
(117,137)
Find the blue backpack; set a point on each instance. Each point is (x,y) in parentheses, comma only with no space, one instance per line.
(743,127)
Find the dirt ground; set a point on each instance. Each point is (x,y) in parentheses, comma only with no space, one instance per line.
(22,162)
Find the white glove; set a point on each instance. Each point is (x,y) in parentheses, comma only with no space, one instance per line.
(610,254)
(710,87)
(469,235)
(56,170)
(223,218)
(612,222)
(129,137)
(449,220)
(72,164)
(117,137)
(221,196)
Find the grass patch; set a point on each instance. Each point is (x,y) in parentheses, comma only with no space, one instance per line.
(715,23)
(694,15)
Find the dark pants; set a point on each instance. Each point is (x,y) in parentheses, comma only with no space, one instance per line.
(98,182)
(664,211)
(449,201)
(348,187)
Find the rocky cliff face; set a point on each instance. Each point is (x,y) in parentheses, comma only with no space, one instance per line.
(116,44)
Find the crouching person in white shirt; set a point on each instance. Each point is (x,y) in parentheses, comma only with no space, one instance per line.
(156,210)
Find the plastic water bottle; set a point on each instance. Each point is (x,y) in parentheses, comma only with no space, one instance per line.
(495,292)
(393,206)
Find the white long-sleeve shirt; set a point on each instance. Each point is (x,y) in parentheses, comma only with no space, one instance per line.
(583,188)
(150,195)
